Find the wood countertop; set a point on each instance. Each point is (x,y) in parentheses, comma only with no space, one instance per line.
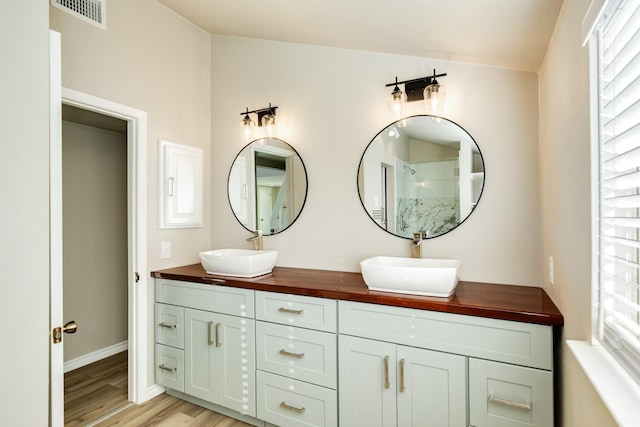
(505,302)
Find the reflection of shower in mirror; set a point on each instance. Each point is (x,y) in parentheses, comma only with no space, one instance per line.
(408,169)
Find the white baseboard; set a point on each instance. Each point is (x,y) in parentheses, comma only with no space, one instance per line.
(87,359)
(153,391)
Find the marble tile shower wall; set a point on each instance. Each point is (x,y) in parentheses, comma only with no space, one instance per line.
(427,197)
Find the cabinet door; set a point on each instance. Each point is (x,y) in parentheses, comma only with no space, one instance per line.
(431,388)
(200,349)
(367,382)
(235,363)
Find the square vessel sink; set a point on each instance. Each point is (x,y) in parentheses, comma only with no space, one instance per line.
(419,276)
(238,262)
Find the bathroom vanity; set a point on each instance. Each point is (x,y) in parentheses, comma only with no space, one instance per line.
(303,347)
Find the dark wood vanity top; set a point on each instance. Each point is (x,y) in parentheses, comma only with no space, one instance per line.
(506,302)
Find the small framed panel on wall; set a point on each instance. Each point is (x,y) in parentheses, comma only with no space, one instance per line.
(179,185)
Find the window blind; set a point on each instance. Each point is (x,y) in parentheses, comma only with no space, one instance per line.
(618,284)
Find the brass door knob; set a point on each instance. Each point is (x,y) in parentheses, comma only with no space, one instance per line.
(70,327)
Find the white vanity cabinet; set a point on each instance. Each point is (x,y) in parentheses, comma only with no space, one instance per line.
(215,354)
(504,367)
(296,352)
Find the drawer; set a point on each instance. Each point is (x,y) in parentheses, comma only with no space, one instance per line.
(502,395)
(502,340)
(290,403)
(221,299)
(303,354)
(169,367)
(169,328)
(296,310)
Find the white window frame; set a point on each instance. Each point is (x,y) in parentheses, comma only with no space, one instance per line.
(618,390)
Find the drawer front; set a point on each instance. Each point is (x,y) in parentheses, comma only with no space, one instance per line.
(290,403)
(296,310)
(169,329)
(299,353)
(169,367)
(503,395)
(506,341)
(221,299)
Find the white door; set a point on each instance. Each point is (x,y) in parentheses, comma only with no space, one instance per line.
(431,388)
(367,383)
(55,215)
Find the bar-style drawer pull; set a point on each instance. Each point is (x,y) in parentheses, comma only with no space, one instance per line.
(387,384)
(288,353)
(166,368)
(218,343)
(284,405)
(289,310)
(402,387)
(167,325)
(525,406)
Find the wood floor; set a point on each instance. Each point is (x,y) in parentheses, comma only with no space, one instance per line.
(96,390)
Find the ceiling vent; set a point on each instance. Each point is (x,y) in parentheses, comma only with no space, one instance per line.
(93,11)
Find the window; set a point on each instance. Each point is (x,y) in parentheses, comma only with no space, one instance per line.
(618,241)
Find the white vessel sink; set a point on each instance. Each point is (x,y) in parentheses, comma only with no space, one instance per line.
(420,276)
(238,262)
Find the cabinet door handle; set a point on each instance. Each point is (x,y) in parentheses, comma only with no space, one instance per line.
(525,406)
(166,368)
(218,343)
(287,353)
(209,339)
(402,388)
(289,310)
(387,384)
(284,405)
(170,192)
(167,325)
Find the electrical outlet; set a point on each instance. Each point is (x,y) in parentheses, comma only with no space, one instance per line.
(551,278)
(165,250)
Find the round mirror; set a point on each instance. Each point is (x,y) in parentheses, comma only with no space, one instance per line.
(421,174)
(267,186)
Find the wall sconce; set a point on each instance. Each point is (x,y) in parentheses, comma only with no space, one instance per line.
(266,119)
(423,88)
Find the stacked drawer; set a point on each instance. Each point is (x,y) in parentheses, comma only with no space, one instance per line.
(169,347)
(296,338)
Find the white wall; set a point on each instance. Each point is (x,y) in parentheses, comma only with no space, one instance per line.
(152,60)
(566,203)
(332,102)
(24,212)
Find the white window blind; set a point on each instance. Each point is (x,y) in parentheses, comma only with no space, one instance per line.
(618,284)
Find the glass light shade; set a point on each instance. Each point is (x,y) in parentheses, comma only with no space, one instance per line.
(246,127)
(434,98)
(397,103)
(269,124)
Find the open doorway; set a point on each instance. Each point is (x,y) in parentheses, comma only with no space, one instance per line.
(140,387)
(94,194)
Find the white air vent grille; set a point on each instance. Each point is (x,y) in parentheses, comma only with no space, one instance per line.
(93,11)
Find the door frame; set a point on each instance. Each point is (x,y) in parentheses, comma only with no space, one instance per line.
(137,275)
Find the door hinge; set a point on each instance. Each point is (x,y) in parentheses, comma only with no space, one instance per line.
(137,277)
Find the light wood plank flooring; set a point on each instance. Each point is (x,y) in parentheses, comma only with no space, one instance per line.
(95,390)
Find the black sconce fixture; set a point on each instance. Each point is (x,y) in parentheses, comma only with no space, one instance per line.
(423,88)
(266,119)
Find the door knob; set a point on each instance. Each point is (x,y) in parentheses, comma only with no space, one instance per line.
(70,327)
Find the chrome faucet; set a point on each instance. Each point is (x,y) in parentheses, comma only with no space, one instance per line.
(416,248)
(256,239)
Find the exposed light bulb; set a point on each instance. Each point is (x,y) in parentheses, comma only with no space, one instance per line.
(269,124)
(434,97)
(246,126)
(397,102)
